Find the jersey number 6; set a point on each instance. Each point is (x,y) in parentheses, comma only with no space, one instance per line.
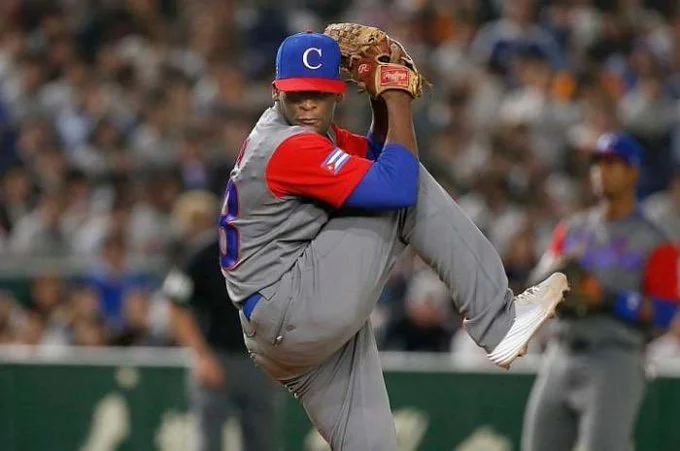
(229,237)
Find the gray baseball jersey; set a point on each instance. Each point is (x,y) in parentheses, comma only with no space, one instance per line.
(269,215)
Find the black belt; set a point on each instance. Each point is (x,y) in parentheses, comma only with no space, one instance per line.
(578,345)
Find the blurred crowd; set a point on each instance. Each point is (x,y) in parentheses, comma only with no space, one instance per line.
(111,109)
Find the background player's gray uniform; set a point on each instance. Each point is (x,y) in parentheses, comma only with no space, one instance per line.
(592,381)
(320,273)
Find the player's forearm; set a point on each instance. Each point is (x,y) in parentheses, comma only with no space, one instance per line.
(392,181)
(399,116)
(377,134)
(186,330)
(380,121)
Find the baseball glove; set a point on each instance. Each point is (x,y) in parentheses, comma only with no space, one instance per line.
(374,61)
(585,295)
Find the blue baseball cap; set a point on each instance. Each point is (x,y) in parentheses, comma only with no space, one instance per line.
(309,62)
(621,146)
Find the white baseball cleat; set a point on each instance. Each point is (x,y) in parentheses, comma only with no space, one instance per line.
(532,309)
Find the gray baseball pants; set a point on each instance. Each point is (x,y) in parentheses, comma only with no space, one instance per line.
(585,401)
(310,331)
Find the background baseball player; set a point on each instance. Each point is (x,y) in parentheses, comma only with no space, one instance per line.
(223,382)
(313,220)
(623,274)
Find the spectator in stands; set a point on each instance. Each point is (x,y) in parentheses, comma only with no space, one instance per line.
(86,325)
(21,92)
(47,301)
(113,278)
(8,318)
(193,160)
(31,329)
(40,232)
(154,142)
(16,194)
(104,153)
(145,321)
(35,134)
(84,304)
(92,333)
(150,228)
(498,42)
(89,236)
(428,322)
(80,202)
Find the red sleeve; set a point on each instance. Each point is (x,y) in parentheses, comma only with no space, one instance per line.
(353,144)
(662,274)
(559,236)
(310,165)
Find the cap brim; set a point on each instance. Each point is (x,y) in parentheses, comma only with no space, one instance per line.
(311,84)
(611,155)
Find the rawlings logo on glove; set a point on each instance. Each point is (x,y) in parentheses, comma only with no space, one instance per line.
(374,61)
(396,76)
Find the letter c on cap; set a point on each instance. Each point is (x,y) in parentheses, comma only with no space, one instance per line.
(305,57)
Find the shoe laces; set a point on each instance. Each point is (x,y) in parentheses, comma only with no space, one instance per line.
(526,296)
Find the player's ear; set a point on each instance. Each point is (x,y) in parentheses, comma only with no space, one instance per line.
(340,98)
(635,176)
(275,93)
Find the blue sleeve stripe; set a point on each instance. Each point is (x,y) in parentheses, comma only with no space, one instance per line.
(628,305)
(664,311)
(391,182)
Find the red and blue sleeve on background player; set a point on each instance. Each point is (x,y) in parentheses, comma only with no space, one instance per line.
(660,284)
(343,174)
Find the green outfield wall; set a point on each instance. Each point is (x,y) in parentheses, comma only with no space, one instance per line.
(135,400)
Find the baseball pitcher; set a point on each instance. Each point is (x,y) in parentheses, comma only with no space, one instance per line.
(314,218)
(623,274)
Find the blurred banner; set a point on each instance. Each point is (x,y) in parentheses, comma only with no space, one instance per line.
(93,401)
(134,400)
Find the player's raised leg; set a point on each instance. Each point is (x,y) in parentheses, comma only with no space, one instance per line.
(466,261)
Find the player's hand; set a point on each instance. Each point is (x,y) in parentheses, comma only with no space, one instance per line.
(208,371)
